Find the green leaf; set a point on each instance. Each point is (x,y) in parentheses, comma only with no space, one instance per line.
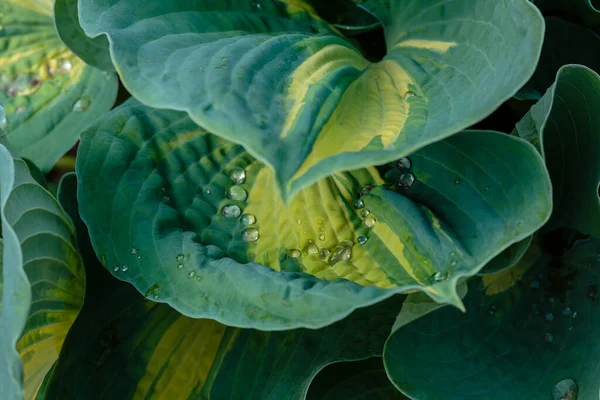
(565,43)
(93,52)
(565,125)
(346,15)
(508,258)
(513,344)
(124,346)
(358,380)
(49,94)
(164,213)
(42,280)
(302,99)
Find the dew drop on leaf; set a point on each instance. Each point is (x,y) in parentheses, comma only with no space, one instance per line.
(565,390)
(299,221)
(548,338)
(82,104)
(341,252)
(191,274)
(370,221)
(404,163)
(362,239)
(237,193)
(457,181)
(294,253)
(180,257)
(358,203)
(238,176)
(321,237)
(179,266)
(133,251)
(231,211)
(116,268)
(250,235)
(439,276)
(365,213)
(566,312)
(549,317)
(406,180)
(312,248)
(248,219)
(323,253)
(124,268)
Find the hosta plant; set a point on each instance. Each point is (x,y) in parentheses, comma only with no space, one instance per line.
(299,199)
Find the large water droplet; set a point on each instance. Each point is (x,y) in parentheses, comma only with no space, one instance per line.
(365,190)
(312,248)
(362,239)
(358,203)
(565,390)
(404,163)
(370,221)
(231,211)
(133,251)
(406,181)
(82,104)
(294,253)
(341,252)
(238,176)
(439,276)
(237,193)
(248,219)
(250,235)
(323,253)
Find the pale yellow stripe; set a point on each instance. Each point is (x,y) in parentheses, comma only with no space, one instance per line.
(437,46)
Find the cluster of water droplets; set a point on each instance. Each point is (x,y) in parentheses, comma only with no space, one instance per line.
(407,179)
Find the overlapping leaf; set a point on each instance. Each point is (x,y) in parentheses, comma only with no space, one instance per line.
(42,280)
(169,211)
(49,94)
(304,100)
(565,126)
(123,346)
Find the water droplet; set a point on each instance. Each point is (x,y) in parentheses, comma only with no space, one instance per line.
(574,315)
(341,252)
(566,312)
(250,235)
(248,219)
(404,163)
(237,193)
(370,221)
(358,203)
(439,276)
(231,211)
(238,176)
(406,181)
(453,263)
(323,253)
(124,268)
(180,257)
(155,297)
(408,95)
(365,213)
(312,248)
(362,239)
(322,229)
(191,274)
(139,257)
(82,104)
(116,268)
(199,278)
(180,266)
(299,221)
(548,338)
(321,237)
(294,253)
(319,221)
(549,317)
(565,390)
(365,190)
(207,191)
(65,66)
(485,189)
(133,250)
(457,181)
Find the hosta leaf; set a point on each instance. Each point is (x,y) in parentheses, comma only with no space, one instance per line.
(565,43)
(304,100)
(565,125)
(531,341)
(125,346)
(357,380)
(159,198)
(346,15)
(49,94)
(93,51)
(42,280)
